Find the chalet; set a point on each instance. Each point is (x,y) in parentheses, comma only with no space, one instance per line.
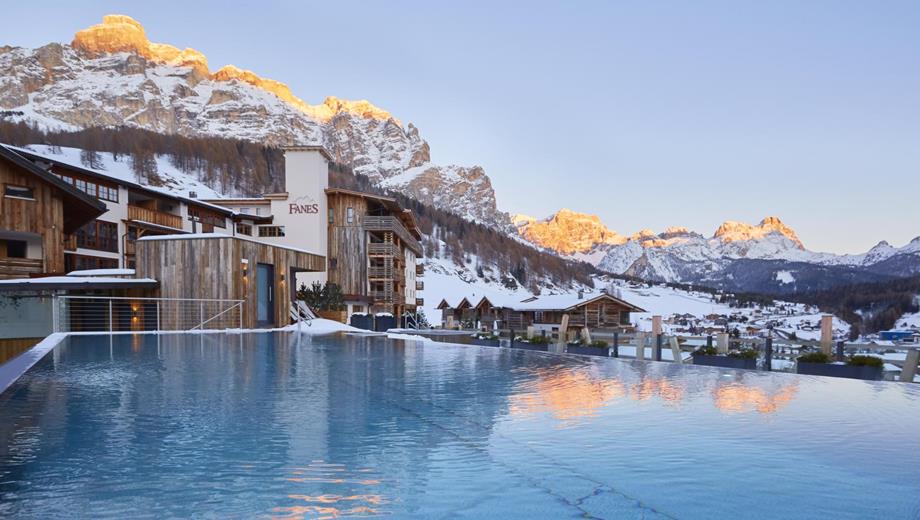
(131,211)
(457,314)
(38,214)
(543,313)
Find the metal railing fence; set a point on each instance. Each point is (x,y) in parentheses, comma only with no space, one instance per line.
(128,314)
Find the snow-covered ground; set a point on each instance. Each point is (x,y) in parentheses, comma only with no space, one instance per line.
(448,281)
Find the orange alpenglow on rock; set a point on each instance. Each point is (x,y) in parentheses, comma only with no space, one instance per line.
(120,33)
(731,231)
(567,232)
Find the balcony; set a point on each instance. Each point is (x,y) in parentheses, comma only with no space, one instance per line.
(382,249)
(419,270)
(393,224)
(153,216)
(384,273)
(19,267)
(419,286)
(419,302)
(70,243)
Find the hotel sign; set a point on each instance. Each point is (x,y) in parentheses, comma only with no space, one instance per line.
(303,206)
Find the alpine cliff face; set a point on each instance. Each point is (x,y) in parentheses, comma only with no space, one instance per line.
(111,74)
(766,257)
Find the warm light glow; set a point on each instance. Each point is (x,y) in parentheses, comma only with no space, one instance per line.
(738,398)
(567,394)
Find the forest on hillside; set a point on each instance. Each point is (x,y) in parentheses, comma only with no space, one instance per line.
(248,168)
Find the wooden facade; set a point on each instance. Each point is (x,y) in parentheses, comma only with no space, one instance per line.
(372,248)
(597,312)
(204,267)
(34,229)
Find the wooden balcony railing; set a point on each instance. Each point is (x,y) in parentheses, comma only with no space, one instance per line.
(154,217)
(389,223)
(419,270)
(70,242)
(419,302)
(419,286)
(382,249)
(19,267)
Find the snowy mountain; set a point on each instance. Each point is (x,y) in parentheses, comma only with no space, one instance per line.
(111,75)
(766,257)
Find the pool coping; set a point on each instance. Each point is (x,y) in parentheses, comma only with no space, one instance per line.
(19,365)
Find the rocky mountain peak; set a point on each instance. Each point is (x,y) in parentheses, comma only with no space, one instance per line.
(733,231)
(112,75)
(567,232)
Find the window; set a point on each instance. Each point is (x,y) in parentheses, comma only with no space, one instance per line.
(245,211)
(350,215)
(244,229)
(108,193)
(98,235)
(83,262)
(19,192)
(13,248)
(271,231)
(80,184)
(331,216)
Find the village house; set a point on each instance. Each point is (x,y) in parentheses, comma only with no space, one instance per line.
(542,314)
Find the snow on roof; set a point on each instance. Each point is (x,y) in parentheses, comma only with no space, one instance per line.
(121,172)
(194,236)
(72,282)
(102,272)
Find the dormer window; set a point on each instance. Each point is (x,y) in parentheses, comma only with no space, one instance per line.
(14,191)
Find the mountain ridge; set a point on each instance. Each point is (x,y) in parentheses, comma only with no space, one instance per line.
(112,75)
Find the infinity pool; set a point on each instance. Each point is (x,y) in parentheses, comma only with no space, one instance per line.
(276,425)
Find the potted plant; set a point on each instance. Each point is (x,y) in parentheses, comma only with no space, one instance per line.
(540,343)
(743,358)
(484,340)
(597,347)
(325,299)
(868,368)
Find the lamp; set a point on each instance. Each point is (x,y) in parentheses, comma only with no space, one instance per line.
(245,264)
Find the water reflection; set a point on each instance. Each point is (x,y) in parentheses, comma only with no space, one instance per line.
(572,393)
(566,393)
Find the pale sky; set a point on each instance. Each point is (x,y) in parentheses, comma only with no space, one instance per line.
(649,114)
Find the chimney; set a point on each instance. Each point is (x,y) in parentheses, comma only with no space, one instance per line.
(192,195)
(581,294)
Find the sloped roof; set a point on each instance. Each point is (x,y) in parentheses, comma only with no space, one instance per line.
(80,207)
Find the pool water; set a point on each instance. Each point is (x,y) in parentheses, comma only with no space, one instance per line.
(285,426)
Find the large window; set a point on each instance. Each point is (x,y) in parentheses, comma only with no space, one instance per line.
(206,217)
(100,191)
(83,262)
(98,235)
(18,192)
(271,231)
(244,229)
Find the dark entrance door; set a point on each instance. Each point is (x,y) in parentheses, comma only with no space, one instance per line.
(265,295)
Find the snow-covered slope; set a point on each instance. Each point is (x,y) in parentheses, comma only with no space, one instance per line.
(112,75)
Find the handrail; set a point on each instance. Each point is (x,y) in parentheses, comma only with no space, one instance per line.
(390,223)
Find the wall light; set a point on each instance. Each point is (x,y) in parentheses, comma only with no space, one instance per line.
(245,264)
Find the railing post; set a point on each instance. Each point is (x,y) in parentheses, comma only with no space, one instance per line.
(768,354)
(616,344)
(55,313)
(840,356)
(709,341)
(658,338)
(110,315)
(200,315)
(240,305)
(909,370)
(158,315)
